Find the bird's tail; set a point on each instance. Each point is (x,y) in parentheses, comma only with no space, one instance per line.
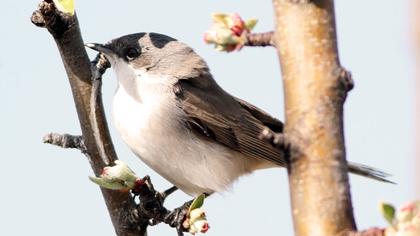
(370,172)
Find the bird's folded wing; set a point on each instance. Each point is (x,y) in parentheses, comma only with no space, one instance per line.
(214,114)
(269,121)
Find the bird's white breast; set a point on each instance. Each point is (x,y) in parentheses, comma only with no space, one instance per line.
(150,122)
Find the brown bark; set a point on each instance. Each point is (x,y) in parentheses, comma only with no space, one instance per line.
(96,138)
(260,39)
(315,87)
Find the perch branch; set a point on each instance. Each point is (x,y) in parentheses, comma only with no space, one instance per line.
(315,88)
(66,33)
(85,78)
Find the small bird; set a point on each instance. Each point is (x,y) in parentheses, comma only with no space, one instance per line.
(174,116)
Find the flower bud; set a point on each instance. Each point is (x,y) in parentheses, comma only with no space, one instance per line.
(199,226)
(196,221)
(228,32)
(119,176)
(407,221)
(408,211)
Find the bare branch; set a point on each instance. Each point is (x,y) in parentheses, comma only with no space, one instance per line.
(65,141)
(66,33)
(315,88)
(260,39)
(99,65)
(85,79)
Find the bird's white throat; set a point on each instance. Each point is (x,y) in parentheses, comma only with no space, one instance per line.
(147,116)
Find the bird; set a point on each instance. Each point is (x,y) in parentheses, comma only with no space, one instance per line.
(173,115)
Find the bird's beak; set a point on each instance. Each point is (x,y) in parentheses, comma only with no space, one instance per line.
(100,48)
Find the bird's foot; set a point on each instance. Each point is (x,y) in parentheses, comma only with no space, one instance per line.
(151,208)
(160,198)
(163,195)
(176,217)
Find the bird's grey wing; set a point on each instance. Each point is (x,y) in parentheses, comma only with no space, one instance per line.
(214,114)
(269,121)
(277,126)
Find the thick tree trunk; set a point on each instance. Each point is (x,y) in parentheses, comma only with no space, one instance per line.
(315,87)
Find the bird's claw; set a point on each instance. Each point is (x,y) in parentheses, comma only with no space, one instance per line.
(163,195)
(176,217)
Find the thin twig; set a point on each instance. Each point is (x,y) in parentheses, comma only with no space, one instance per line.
(98,66)
(260,39)
(65,141)
(168,192)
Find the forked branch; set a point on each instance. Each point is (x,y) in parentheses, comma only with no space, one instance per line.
(85,77)
(66,32)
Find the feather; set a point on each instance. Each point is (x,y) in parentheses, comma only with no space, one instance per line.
(215,114)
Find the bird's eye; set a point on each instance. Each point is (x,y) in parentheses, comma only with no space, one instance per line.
(132,53)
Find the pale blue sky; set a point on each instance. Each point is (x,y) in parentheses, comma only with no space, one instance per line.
(46,190)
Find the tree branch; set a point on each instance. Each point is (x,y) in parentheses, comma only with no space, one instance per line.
(66,33)
(65,141)
(85,78)
(315,88)
(260,39)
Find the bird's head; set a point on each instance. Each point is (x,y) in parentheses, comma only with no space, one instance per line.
(152,53)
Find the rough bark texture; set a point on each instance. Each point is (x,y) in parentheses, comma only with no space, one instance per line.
(66,32)
(315,87)
(66,141)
